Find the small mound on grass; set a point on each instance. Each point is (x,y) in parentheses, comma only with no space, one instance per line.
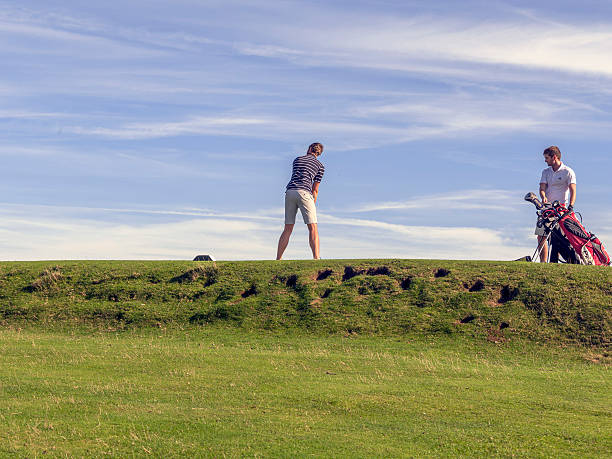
(209,273)
(369,285)
(46,281)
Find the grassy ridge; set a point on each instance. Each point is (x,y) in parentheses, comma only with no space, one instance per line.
(493,300)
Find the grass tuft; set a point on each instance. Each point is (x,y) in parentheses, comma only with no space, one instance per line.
(208,273)
(47,281)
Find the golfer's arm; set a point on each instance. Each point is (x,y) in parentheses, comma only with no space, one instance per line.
(315,190)
(543,192)
(572,190)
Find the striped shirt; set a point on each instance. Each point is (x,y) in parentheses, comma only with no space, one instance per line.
(307,169)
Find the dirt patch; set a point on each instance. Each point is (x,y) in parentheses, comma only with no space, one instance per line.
(380,271)
(495,335)
(324,274)
(478,286)
(252,290)
(406,283)
(507,293)
(441,272)
(292,281)
(595,357)
(350,272)
(316,302)
(467,319)
(352,331)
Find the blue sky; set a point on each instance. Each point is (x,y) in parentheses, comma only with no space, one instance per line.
(164,129)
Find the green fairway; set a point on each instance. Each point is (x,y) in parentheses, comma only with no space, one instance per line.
(223,392)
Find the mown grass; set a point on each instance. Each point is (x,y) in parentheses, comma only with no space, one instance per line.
(225,392)
(493,300)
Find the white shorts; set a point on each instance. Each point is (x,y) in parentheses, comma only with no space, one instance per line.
(303,200)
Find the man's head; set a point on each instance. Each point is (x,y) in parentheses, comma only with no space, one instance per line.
(315,149)
(552,155)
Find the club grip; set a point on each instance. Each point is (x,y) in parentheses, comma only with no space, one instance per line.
(532,198)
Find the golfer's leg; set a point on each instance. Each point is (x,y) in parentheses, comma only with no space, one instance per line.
(283,241)
(313,239)
(543,245)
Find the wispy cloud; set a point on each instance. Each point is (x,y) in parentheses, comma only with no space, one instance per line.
(395,43)
(61,42)
(459,200)
(342,135)
(17,114)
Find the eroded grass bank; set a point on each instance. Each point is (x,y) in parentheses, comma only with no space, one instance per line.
(490,300)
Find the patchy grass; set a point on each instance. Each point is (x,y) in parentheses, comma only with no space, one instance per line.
(554,303)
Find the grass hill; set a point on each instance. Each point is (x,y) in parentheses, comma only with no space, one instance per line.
(492,300)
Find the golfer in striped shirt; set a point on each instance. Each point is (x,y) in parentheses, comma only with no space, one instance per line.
(302,191)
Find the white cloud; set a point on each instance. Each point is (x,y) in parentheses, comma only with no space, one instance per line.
(380,40)
(58,233)
(36,239)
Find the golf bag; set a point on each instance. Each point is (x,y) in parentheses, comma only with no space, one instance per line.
(568,238)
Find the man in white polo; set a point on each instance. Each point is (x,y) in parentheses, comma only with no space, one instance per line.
(557,182)
(302,191)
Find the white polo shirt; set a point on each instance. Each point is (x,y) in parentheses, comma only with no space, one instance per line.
(557,183)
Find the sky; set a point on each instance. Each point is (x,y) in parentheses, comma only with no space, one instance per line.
(166,129)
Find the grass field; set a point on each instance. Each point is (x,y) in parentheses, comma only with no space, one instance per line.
(220,392)
(359,358)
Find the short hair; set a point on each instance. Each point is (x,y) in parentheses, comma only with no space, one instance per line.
(314,145)
(553,151)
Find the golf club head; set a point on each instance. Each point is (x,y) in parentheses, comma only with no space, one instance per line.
(532,198)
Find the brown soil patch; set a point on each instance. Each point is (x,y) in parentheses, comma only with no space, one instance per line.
(478,286)
(324,274)
(441,272)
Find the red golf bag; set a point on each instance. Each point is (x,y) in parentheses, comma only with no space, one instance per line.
(569,238)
